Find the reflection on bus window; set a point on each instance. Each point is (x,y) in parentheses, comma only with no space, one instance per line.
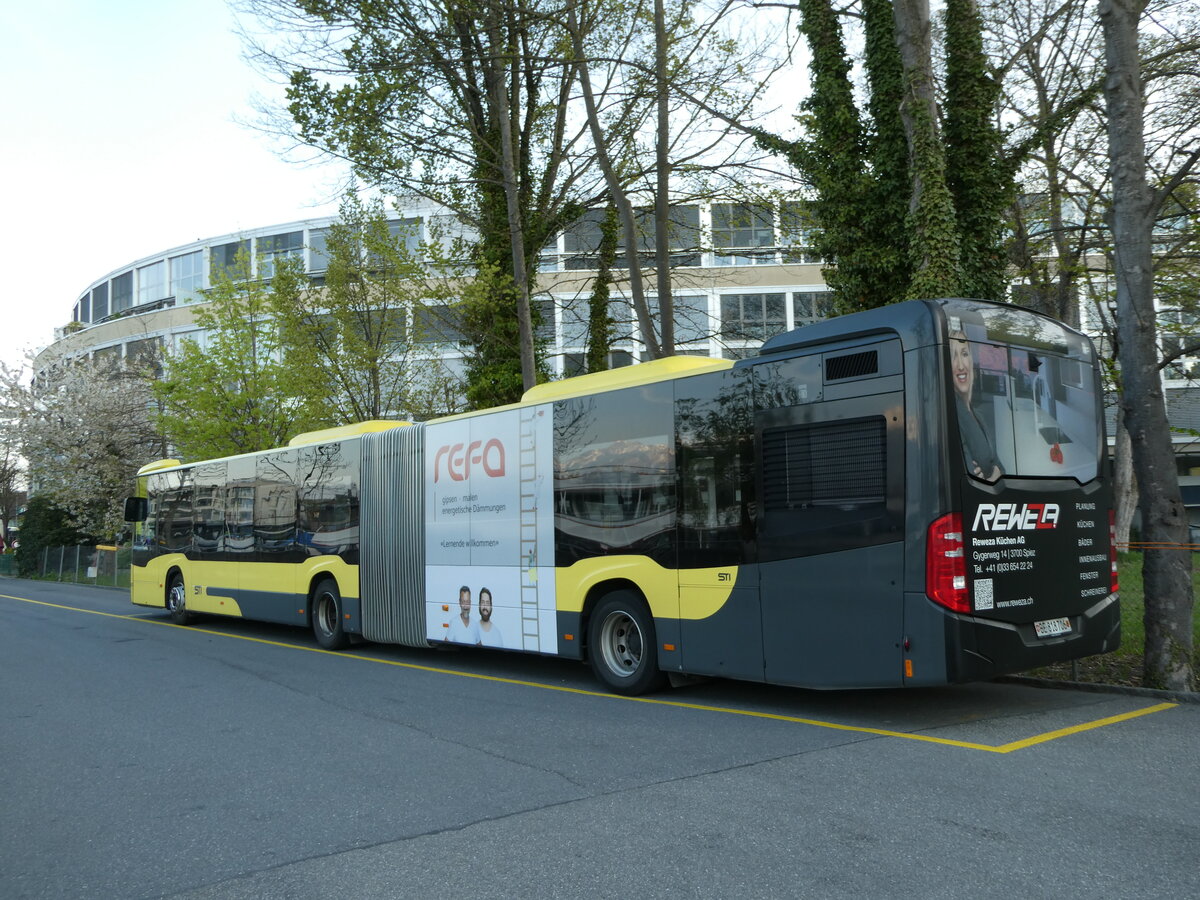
(1022,412)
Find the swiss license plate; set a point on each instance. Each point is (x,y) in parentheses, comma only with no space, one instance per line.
(1052,627)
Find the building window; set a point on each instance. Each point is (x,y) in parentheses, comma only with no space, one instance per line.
(152,282)
(145,355)
(276,247)
(318,249)
(108,359)
(797,233)
(581,242)
(225,263)
(187,276)
(753,317)
(122,292)
(691,319)
(99,302)
(743,234)
(85,308)
(811,306)
(437,325)
(407,232)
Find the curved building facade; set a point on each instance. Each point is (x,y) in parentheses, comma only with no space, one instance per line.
(741,273)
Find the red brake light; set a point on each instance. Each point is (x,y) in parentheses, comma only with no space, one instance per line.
(946,564)
(1112,546)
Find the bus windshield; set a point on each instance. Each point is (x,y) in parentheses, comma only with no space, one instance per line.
(1025,395)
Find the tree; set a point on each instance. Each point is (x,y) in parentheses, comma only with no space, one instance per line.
(12,471)
(234,392)
(352,340)
(86,428)
(46,525)
(464,104)
(1167,566)
(668,110)
(893,225)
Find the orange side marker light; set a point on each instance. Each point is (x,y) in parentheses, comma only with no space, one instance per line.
(908,668)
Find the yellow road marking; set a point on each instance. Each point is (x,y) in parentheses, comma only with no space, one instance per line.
(727,710)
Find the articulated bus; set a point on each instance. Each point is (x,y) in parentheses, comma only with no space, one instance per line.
(913,495)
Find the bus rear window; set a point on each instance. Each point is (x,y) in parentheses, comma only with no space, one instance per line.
(1022,412)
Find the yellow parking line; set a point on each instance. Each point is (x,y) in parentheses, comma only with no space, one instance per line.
(727,710)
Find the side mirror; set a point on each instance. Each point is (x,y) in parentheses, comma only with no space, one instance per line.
(136,509)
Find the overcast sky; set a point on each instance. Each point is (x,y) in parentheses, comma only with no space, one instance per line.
(119,140)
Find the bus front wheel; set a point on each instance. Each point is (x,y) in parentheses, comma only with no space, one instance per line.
(327,616)
(177,601)
(622,648)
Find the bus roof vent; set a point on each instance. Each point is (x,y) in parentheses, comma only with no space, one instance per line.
(852,365)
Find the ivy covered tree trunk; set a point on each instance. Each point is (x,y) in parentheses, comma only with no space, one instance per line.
(833,160)
(885,212)
(933,233)
(976,176)
(600,323)
(1167,569)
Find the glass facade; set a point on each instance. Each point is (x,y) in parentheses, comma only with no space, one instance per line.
(230,260)
(187,276)
(122,292)
(743,234)
(753,317)
(276,247)
(152,282)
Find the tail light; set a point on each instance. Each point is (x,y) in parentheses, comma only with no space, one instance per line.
(946,564)
(1112,546)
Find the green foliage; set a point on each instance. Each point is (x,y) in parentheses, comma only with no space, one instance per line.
(236,393)
(487,314)
(45,525)
(933,234)
(348,341)
(411,95)
(901,216)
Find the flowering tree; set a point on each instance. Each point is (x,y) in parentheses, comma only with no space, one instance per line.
(84,430)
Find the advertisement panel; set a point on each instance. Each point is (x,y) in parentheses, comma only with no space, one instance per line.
(490,524)
(1034,556)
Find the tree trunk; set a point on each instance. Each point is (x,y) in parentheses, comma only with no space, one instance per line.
(662,197)
(509,163)
(933,230)
(1167,568)
(615,189)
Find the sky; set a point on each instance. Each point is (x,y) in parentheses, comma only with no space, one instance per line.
(120,138)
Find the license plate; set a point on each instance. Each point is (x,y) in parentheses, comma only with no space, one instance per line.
(1052,627)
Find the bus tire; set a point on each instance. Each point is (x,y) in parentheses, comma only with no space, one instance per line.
(622,647)
(327,616)
(177,601)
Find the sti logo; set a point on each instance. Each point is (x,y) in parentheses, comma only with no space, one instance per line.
(1015,516)
(461,457)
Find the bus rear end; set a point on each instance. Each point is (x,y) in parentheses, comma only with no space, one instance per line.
(1024,564)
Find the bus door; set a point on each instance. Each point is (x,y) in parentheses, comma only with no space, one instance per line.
(830,538)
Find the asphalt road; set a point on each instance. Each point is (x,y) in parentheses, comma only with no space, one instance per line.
(231,760)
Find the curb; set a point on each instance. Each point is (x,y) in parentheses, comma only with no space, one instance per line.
(1097,688)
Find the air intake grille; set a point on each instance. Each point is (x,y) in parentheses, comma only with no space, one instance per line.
(852,365)
(834,464)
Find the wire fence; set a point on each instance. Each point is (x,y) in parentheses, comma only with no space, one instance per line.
(103,564)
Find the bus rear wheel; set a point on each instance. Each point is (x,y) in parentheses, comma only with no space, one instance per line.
(177,601)
(622,647)
(327,616)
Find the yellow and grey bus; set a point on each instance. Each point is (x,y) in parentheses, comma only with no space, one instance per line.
(912,495)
